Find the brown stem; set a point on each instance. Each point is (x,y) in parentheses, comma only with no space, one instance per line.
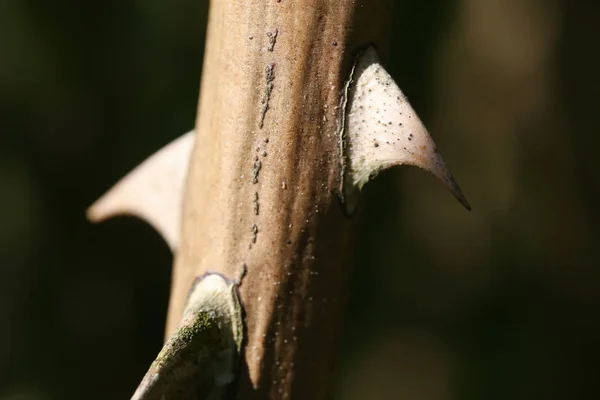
(264,180)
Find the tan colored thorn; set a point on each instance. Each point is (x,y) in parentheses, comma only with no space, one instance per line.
(153,191)
(382,130)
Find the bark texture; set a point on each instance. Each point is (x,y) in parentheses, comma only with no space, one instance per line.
(263,185)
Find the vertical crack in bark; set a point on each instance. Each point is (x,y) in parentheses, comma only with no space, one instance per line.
(269,77)
(272,36)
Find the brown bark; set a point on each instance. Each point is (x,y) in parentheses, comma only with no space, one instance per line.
(263,185)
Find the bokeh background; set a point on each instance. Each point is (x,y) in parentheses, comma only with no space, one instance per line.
(499,303)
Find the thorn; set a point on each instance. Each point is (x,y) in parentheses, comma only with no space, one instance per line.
(382,130)
(199,360)
(153,191)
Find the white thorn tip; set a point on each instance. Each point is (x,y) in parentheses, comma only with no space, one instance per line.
(382,130)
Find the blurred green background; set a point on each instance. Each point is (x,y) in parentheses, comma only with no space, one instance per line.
(502,302)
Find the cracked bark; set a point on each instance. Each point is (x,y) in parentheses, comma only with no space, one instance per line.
(263,184)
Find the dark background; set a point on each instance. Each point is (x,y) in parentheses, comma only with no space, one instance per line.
(498,303)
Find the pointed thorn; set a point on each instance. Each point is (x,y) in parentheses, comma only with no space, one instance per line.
(382,130)
(199,360)
(153,191)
